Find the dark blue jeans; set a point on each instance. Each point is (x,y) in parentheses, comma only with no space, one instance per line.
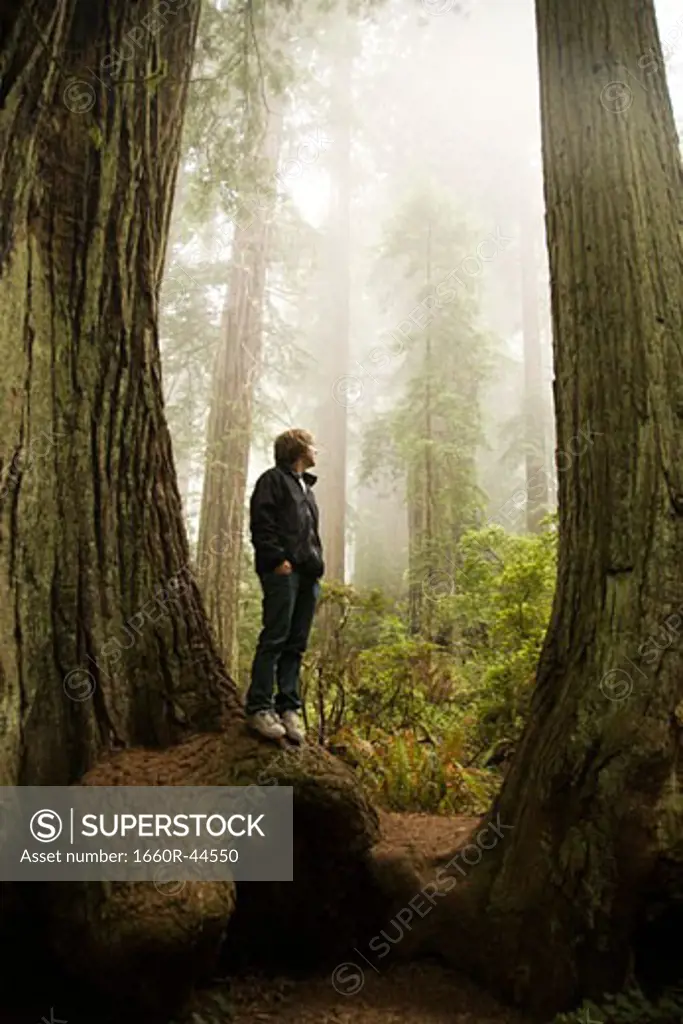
(288,607)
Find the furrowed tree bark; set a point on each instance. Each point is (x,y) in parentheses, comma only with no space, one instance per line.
(229,430)
(592,800)
(104,641)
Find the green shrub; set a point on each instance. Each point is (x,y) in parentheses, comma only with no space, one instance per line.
(421,719)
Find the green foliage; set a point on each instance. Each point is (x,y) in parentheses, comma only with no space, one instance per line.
(408,774)
(239,65)
(419,720)
(364,668)
(629,1007)
(497,614)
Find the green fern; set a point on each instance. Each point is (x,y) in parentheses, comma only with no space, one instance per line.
(629,1007)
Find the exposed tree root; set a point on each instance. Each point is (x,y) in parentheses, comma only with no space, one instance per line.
(151,947)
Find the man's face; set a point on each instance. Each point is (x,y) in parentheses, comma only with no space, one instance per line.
(310,455)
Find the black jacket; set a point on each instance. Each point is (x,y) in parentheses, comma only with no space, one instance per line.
(284,523)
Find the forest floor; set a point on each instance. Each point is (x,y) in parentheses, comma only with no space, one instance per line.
(421,992)
(415,993)
(430,834)
(409,993)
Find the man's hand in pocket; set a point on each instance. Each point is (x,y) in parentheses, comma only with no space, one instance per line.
(284,569)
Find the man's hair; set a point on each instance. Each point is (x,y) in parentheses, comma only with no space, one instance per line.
(291,445)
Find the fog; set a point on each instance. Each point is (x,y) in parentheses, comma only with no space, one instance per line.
(417,157)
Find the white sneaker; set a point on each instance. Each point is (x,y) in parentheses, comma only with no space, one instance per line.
(293,726)
(266,723)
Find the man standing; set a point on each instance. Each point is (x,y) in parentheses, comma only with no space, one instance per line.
(289,562)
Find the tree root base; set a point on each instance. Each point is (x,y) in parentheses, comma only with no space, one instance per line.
(151,947)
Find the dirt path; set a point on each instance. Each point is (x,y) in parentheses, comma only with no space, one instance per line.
(429,835)
(357,993)
(408,994)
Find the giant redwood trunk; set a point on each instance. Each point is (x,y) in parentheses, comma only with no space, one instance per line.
(555,909)
(103,640)
(104,643)
(229,430)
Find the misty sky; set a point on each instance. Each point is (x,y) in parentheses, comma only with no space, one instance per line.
(462,89)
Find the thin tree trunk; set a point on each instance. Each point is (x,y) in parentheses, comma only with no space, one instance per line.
(430,511)
(591,805)
(415,516)
(548,417)
(230,421)
(333,432)
(381,538)
(103,637)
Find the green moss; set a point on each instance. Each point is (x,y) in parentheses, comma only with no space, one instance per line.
(96,136)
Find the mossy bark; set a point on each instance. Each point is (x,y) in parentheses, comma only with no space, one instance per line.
(553,910)
(104,642)
(178,935)
(102,636)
